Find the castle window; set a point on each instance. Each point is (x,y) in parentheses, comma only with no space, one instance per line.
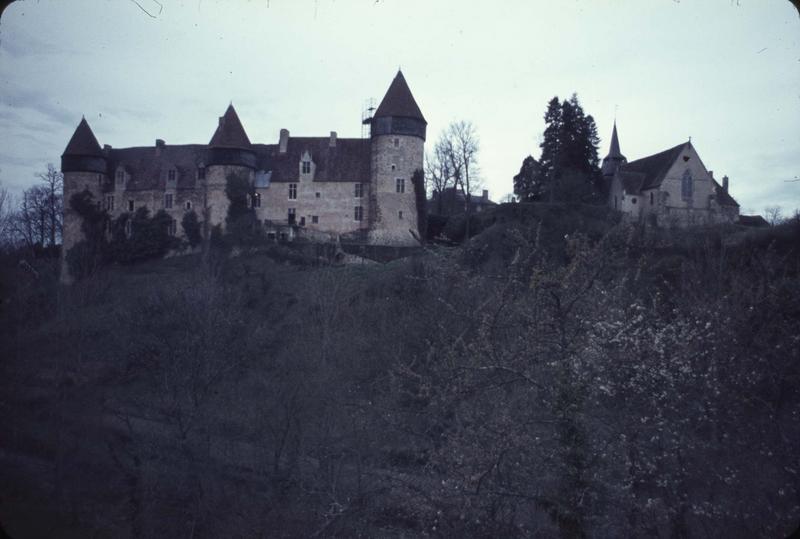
(171,175)
(686,185)
(358,214)
(400,214)
(257,200)
(130,205)
(318,195)
(615,202)
(168,201)
(633,200)
(394,167)
(359,190)
(292,215)
(400,185)
(396,142)
(306,167)
(292,191)
(201,173)
(302,221)
(651,199)
(188,205)
(173,227)
(110,202)
(120,177)
(315,219)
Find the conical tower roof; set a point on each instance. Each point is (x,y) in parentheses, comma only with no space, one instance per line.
(83,141)
(399,101)
(230,132)
(614,152)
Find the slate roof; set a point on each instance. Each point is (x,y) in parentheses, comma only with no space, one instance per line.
(652,169)
(723,197)
(752,220)
(614,151)
(230,132)
(83,141)
(399,101)
(146,170)
(348,161)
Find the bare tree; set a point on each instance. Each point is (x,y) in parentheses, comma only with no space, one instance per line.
(439,171)
(773,215)
(462,147)
(6,217)
(53,202)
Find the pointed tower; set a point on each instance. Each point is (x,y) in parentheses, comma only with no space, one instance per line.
(614,159)
(84,166)
(229,153)
(397,139)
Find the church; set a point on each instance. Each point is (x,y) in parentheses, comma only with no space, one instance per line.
(669,188)
(321,187)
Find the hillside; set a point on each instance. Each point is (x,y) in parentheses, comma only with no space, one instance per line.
(561,375)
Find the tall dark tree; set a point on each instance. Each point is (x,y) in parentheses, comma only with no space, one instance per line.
(525,185)
(569,150)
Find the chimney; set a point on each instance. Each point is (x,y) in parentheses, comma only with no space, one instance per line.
(485,195)
(332,142)
(106,147)
(159,145)
(725,183)
(711,173)
(284,140)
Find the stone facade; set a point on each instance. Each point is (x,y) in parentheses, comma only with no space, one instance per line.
(320,187)
(670,188)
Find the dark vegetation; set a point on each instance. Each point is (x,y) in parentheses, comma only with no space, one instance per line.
(559,375)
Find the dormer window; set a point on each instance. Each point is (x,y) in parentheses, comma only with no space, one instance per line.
(306,167)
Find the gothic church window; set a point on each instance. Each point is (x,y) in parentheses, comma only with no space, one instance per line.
(292,191)
(687,185)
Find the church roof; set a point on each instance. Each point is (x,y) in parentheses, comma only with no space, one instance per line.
(83,141)
(230,132)
(652,169)
(724,198)
(399,101)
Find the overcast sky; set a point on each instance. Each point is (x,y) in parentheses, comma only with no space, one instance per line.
(724,72)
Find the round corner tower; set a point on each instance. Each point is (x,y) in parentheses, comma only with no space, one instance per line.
(229,153)
(397,143)
(85,168)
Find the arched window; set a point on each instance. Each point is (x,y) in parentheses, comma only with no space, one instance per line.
(687,185)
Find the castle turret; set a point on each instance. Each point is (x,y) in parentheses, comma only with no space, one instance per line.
(614,159)
(84,166)
(398,139)
(230,153)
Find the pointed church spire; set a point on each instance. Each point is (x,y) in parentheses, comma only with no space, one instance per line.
(614,150)
(83,141)
(230,132)
(399,101)
(614,159)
